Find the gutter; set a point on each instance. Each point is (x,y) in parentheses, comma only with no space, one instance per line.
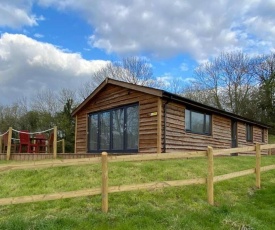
(211,109)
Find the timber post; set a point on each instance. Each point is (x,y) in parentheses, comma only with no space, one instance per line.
(159,135)
(1,137)
(258,165)
(104,191)
(63,145)
(54,142)
(9,144)
(210,176)
(75,133)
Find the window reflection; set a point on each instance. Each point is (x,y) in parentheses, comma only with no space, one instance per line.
(132,127)
(197,122)
(118,128)
(114,130)
(105,130)
(93,131)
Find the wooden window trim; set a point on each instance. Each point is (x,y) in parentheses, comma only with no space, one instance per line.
(204,122)
(249,129)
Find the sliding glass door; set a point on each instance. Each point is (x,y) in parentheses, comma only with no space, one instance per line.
(114,130)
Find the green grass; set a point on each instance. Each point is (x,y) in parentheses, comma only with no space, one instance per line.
(271,139)
(238,204)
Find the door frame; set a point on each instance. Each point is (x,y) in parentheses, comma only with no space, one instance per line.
(234,134)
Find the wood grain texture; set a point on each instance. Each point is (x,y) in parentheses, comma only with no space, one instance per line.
(114,96)
(258,165)
(150,134)
(233,175)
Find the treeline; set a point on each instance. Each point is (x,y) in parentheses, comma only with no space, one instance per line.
(48,109)
(238,83)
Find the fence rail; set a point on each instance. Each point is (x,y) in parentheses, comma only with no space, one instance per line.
(105,160)
(8,145)
(111,158)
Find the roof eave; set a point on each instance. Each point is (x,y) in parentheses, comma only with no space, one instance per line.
(143,89)
(212,109)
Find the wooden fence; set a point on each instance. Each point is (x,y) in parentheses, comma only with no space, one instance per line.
(9,144)
(105,159)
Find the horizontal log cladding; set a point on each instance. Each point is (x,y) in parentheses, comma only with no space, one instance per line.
(114,96)
(173,134)
(178,139)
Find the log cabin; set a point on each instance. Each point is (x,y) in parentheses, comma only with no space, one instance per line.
(124,118)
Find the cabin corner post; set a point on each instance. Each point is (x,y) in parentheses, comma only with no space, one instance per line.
(1,144)
(75,134)
(54,142)
(210,176)
(258,165)
(159,115)
(9,144)
(104,188)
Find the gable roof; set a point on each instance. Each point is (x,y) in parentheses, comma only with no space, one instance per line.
(168,96)
(143,89)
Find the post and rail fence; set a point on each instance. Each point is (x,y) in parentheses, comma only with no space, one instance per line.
(9,144)
(210,180)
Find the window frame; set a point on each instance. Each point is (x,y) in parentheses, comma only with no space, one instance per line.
(204,132)
(249,130)
(111,128)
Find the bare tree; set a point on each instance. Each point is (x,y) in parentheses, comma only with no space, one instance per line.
(228,81)
(45,101)
(265,72)
(65,95)
(134,70)
(175,86)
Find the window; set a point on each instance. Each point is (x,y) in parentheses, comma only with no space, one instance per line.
(249,133)
(197,122)
(114,130)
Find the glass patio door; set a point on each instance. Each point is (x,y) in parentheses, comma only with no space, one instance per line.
(114,130)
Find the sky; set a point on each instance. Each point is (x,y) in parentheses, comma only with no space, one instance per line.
(55,44)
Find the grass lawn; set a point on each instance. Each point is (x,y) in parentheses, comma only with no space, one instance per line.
(271,139)
(238,204)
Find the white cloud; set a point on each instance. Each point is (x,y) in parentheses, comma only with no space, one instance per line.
(37,35)
(184,67)
(164,28)
(165,79)
(27,65)
(17,13)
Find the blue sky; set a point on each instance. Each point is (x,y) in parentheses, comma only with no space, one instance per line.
(50,44)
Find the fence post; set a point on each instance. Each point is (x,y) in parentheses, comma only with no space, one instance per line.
(54,142)
(63,146)
(258,165)
(1,144)
(269,152)
(210,176)
(104,160)
(9,144)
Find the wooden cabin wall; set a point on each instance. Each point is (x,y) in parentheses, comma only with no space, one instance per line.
(114,96)
(257,135)
(179,140)
(176,139)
